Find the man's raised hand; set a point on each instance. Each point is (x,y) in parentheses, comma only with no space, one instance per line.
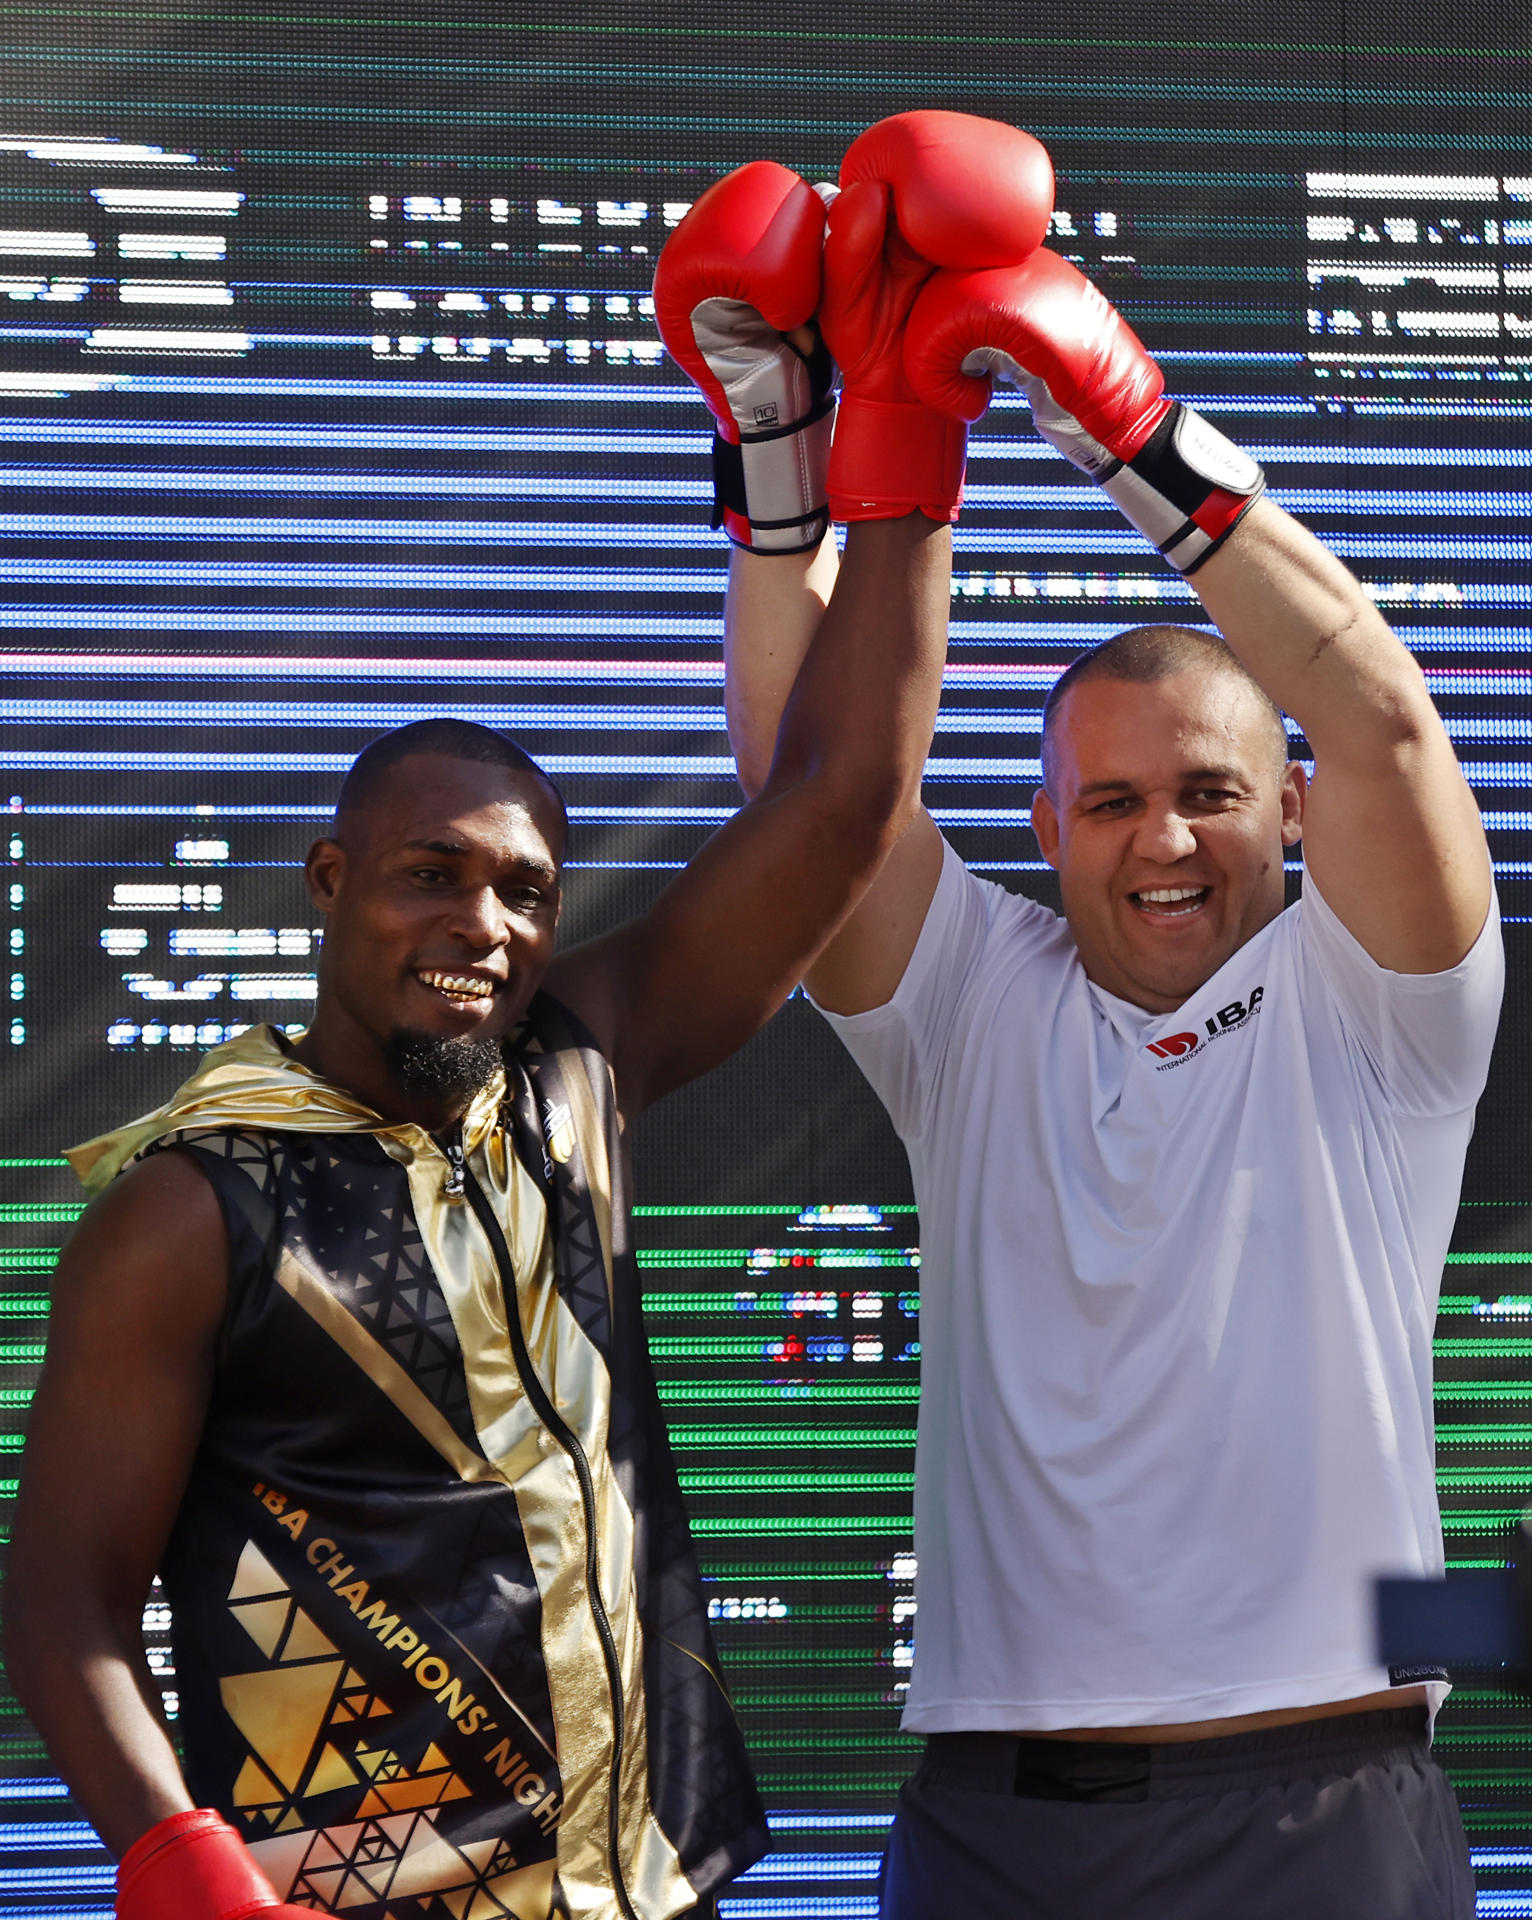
(736,278)
(1095,395)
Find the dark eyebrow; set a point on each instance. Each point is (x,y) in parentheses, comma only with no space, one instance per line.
(456,850)
(1193,777)
(451,848)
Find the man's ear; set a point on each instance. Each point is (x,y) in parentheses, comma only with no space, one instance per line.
(1295,793)
(1045,826)
(324,870)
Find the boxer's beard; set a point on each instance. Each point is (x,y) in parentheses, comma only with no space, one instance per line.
(440,1067)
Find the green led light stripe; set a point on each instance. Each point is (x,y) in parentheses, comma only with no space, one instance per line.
(24,1306)
(1458,1302)
(807,1260)
(790,1480)
(1489,1259)
(834,1786)
(847,1527)
(700,1348)
(59,1161)
(1494,1520)
(1497,1779)
(841,1656)
(764,1436)
(872,1740)
(38,1213)
(1484,1433)
(1511,1347)
(1453,1565)
(718,1570)
(743,1213)
(21,1353)
(1485,1477)
(11,1442)
(1515,1733)
(829,1393)
(759,1303)
(801,1700)
(28,1259)
(1495,1820)
(8,1489)
(1484,1390)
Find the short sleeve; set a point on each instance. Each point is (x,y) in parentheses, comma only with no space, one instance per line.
(900,1045)
(1428,1035)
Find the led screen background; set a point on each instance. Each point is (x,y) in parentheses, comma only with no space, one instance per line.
(330,397)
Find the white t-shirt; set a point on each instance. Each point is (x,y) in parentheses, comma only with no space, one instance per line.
(1179,1277)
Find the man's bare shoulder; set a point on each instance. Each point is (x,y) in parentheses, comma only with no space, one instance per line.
(159,1218)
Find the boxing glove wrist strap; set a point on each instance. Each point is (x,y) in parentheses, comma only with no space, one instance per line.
(892,458)
(193,1866)
(769,491)
(1185,489)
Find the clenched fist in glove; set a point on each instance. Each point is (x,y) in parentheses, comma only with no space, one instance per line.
(1095,395)
(194,1866)
(918,191)
(738,274)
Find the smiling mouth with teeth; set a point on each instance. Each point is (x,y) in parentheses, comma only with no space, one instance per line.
(1170,902)
(461,987)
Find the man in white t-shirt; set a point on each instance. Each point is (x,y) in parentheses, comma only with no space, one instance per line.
(1186,1165)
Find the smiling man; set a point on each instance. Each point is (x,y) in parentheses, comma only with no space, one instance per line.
(1187,1164)
(348,1348)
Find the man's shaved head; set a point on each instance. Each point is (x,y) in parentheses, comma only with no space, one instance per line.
(369,778)
(1145,654)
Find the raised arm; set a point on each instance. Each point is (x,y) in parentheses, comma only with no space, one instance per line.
(771,613)
(675,992)
(1391,832)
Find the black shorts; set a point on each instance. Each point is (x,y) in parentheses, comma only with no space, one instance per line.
(1342,1819)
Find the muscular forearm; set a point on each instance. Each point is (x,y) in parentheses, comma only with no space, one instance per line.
(773,609)
(857,723)
(86,1685)
(1303,627)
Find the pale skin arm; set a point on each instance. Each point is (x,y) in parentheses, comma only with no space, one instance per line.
(1391,832)
(137,1304)
(771,614)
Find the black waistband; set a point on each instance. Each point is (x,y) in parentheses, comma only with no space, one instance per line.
(1036,1768)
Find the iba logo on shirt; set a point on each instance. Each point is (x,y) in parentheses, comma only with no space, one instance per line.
(1177,1048)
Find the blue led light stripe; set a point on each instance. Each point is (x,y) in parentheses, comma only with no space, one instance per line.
(358,483)
(619,715)
(312,621)
(15,1836)
(856,1908)
(812,1866)
(574,580)
(344,533)
(355,532)
(226,435)
(260,574)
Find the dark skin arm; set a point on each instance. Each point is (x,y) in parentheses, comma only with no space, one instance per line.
(673,993)
(137,1305)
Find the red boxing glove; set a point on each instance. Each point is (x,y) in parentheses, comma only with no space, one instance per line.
(740,270)
(919,189)
(194,1866)
(967,192)
(1094,392)
(891,454)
